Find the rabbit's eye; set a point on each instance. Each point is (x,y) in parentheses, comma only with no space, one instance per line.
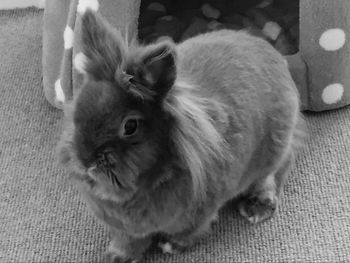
(130,127)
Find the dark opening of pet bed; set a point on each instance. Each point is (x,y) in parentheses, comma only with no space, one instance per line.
(277,21)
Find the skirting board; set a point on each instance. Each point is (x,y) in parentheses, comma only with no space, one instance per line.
(12,4)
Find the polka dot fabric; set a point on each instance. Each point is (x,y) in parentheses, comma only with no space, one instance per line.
(324,47)
(313,35)
(332,93)
(68,37)
(332,39)
(63,61)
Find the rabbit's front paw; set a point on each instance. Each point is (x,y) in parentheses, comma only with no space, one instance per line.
(166,247)
(257,208)
(169,246)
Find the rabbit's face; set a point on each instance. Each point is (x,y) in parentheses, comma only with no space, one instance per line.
(118,131)
(118,135)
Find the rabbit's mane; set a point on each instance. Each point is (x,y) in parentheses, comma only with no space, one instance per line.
(195,136)
(198,143)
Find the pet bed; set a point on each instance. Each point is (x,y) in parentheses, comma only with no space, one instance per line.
(317,56)
(62,59)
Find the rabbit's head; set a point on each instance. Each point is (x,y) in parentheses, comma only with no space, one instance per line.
(117,132)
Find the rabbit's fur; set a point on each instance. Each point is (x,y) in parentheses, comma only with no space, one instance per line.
(217,117)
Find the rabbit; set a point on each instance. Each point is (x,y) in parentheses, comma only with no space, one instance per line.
(161,136)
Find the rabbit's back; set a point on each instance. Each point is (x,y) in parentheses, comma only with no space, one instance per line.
(251,79)
(235,64)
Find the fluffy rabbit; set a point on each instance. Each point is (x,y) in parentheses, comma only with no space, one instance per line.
(160,137)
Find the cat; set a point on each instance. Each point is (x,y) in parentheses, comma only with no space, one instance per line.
(160,137)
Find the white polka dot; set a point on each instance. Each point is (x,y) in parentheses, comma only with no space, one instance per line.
(210,12)
(264,3)
(212,25)
(167,18)
(87,4)
(332,39)
(79,62)
(59,91)
(271,30)
(68,37)
(332,93)
(41,3)
(155,6)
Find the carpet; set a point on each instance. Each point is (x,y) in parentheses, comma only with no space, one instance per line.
(43,219)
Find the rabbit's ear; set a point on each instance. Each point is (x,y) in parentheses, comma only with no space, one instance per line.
(159,62)
(102,45)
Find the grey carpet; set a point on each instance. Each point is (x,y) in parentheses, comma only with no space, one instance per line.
(42,219)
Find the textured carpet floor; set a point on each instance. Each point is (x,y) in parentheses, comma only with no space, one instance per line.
(42,219)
